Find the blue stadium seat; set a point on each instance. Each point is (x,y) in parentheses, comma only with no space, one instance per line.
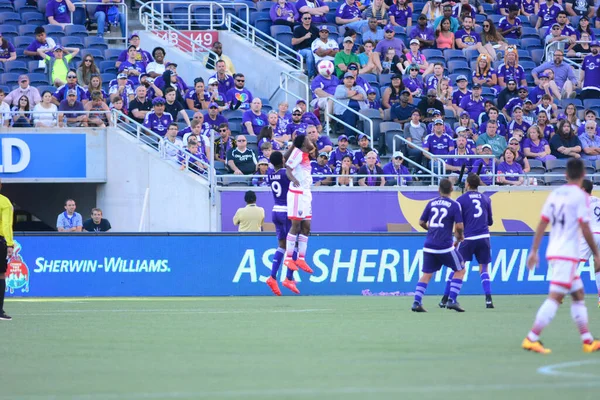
(54,31)
(27,30)
(10,18)
(488,8)
(76,30)
(49,88)
(79,16)
(527,65)
(6,88)
(72,41)
(277,29)
(450,54)
(37,79)
(432,53)
(201,16)
(21,42)
(285,38)
(591,103)
(94,42)
(524,54)
(453,65)
(41,6)
(531,43)
(263,25)
(495,18)
(258,15)
(106,78)
(34,67)
(112,54)
(107,67)
(264,6)
(385,80)
(537,55)
(22,6)
(9,31)
(96,53)
(6,7)
(529,32)
(18,67)
(9,79)
(33,18)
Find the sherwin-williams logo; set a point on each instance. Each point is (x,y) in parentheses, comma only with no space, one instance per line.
(17,272)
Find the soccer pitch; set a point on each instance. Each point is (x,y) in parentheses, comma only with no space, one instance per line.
(289,348)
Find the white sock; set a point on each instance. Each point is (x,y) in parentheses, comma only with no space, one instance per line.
(580,317)
(543,317)
(290,244)
(302,245)
(598,283)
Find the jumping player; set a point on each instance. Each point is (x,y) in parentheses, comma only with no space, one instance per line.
(280,183)
(438,219)
(584,250)
(6,247)
(299,199)
(477,218)
(567,211)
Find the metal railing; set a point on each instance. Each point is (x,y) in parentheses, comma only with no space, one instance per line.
(435,160)
(91,7)
(56,119)
(265,42)
(284,81)
(331,116)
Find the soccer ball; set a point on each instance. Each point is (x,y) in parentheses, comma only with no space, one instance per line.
(326,68)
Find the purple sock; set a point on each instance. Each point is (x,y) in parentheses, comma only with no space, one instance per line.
(420,291)
(485,281)
(295,255)
(455,286)
(448,282)
(277,259)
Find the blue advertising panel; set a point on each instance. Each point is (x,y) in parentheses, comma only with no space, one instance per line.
(236,265)
(46,155)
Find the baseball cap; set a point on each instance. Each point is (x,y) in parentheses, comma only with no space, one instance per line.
(438,122)
(511,79)
(397,76)
(397,154)
(296,109)
(324,28)
(212,81)
(525,88)
(486,146)
(57,47)
(348,39)
(72,92)
(158,100)
(122,76)
(213,105)
(555,24)
(170,63)
(352,66)
(300,101)
(361,136)
(462,114)
(543,75)
(561,116)
(436,112)
(528,101)
(348,75)
(262,160)
(23,77)
(323,154)
(415,41)
(422,16)
(461,78)
(405,91)
(389,28)
(371,90)
(517,106)
(461,129)
(143,74)
(477,86)
(513,139)
(342,137)
(594,43)
(134,34)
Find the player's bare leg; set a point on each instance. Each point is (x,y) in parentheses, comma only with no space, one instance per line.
(3,315)
(302,246)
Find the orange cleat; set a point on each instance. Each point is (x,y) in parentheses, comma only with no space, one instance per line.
(272,283)
(301,263)
(291,285)
(290,264)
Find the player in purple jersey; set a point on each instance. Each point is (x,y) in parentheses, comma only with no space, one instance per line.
(280,183)
(439,218)
(477,218)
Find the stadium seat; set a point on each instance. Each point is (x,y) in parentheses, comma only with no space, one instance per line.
(22,6)
(558,165)
(527,65)
(389,130)
(590,168)
(371,79)
(10,18)
(41,5)
(554,180)
(106,78)
(537,55)
(450,54)
(33,18)
(72,41)
(531,43)
(79,16)
(6,88)
(428,53)
(34,67)
(524,55)
(94,42)
(54,31)
(27,30)
(9,31)
(454,64)
(264,6)
(76,30)
(591,103)
(375,116)
(18,67)
(9,79)
(96,53)
(385,80)
(537,167)
(36,79)
(22,42)
(107,67)
(112,54)
(285,38)
(276,29)
(258,15)
(263,25)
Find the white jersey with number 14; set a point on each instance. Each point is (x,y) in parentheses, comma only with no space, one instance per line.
(564,209)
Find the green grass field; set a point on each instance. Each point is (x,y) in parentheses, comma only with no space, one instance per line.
(289,348)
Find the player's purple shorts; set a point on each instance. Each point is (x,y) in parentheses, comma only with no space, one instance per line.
(282,223)
(433,262)
(480,248)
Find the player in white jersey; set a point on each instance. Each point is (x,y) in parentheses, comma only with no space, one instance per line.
(567,211)
(584,250)
(299,201)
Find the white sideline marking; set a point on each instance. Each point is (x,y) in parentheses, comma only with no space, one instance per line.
(164,311)
(306,392)
(554,369)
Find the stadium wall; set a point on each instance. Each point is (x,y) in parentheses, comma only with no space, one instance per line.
(67,265)
(178,201)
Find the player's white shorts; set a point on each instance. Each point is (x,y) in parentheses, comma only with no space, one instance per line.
(564,276)
(299,204)
(584,250)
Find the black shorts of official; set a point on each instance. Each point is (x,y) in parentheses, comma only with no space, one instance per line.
(3,255)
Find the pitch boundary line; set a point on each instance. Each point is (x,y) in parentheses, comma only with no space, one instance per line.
(165,311)
(554,369)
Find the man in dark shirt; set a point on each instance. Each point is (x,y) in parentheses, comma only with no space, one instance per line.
(302,40)
(402,112)
(429,105)
(140,106)
(241,160)
(96,223)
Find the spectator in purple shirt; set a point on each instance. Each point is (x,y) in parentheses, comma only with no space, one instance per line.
(224,80)
(102,12)
(296,126)
(283,13)
(254,119)
(72,84)
(239,97)
(212,119)
(438,143)
(484,166)
(473,104)
(132,66)
(323,143)
(321,173)
(372,170)
(316,8)
(322,88)
(547,14)
(469,40)
(536,146)
(41,41)
(7,50)
(143,55)
(158,120)
(309,118)
(455,164)
(509,170)
(59,12)
(341,151)
(510,25)
(349,14)
(68,108)
(398,169)
(423,33)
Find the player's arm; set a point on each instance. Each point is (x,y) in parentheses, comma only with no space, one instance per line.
(589,237)
(7,221)
(423,224)
(490,217)
(459,233)
(291,177)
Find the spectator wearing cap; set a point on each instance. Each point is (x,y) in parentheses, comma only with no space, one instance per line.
(510,25)
(400,14)
(566,30)
(323,87)
(72,84)
(554,38)
(484,166)
(547,14)
(158,120)
(143,56)
(374,33)
(353,68)
(508,93)
(320,171)
(251,217)
(239,97)
(364,147)
(7,50)
(140,106)
(253,120)
(308,117)
(302,39)
(170,145)
(413,82)
(372,171)
(283,13)
(491,137)
(241,160)
(391,94)
(467,133)
(224,80)
(396,167)
(402,112)
(58,66)
(455,164)
(345,57)
(211,61)
(317,9)
(352,96)
(415,57)
(262,169)
(589,75)
(447,128)
(59,12)
(324,48)
(102,14)
(349,14)
(429,105)
(215,95)
(372,101)
(71,109)
(447,13)
(123,87)
(296,126)
(213,119)
(390,41)
(474,103)
(24,89)
(415,132)
(157,67)
(588,115)
(423,33)
(341,151)
(564,76)
(515,143)
(517,123)
(529,114)
(438,143)
(460,93)
(321,142)
(41,41)
(223,143)
(197,98)
(536,146)
(519,100)
(132,67)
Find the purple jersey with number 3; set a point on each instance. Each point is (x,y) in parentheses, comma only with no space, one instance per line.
(476,213)
(441,214)
(279,183)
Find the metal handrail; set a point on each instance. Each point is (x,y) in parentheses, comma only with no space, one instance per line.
(284,79)
(440,162)
(265,42)
(332,116)
(55,116)
(122,9)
